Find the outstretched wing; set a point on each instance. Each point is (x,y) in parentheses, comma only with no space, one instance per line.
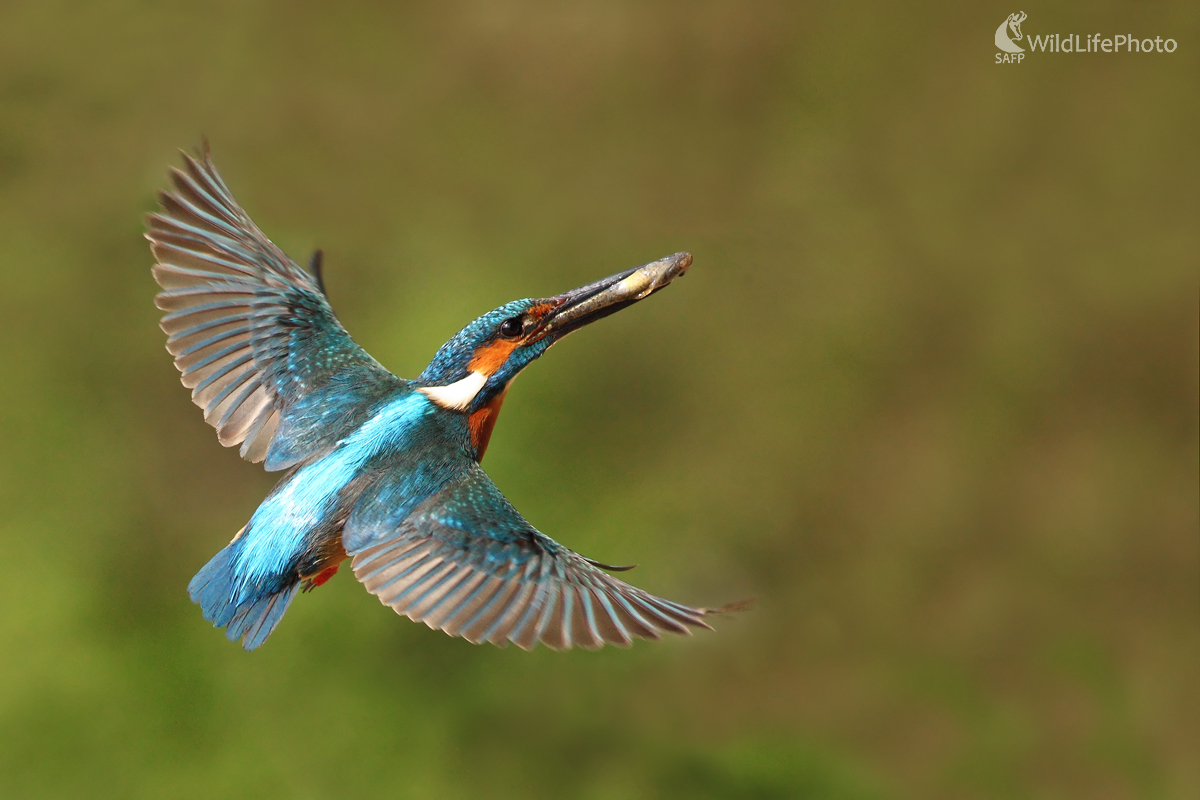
(466,562)
(252,333)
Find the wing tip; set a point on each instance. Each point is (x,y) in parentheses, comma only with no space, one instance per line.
(609,567)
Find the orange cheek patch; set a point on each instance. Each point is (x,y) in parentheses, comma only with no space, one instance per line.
(490,357)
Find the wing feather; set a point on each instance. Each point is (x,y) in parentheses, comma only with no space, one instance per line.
(465,562)
(251,332)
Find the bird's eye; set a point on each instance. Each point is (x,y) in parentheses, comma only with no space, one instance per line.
(511,328)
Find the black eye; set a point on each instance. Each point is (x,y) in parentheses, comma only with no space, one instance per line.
(511,328)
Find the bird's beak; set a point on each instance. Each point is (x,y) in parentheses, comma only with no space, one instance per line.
(589,303)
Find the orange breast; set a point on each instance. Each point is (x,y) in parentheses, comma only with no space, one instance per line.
(483,421)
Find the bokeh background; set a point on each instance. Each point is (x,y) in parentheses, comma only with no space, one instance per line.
(930,392)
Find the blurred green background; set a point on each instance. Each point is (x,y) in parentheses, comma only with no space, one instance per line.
(930,392)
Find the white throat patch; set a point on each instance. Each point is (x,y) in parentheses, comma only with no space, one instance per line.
(458,395)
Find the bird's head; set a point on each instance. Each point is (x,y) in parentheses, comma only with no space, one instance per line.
(471,372)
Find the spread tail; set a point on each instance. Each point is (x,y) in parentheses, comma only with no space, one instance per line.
(251,619)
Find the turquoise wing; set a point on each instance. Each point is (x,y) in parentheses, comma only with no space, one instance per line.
(251,332)
(466,562)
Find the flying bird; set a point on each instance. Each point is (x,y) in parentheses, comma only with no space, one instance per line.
(377,469)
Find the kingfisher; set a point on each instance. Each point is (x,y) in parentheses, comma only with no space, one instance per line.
(376,469)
